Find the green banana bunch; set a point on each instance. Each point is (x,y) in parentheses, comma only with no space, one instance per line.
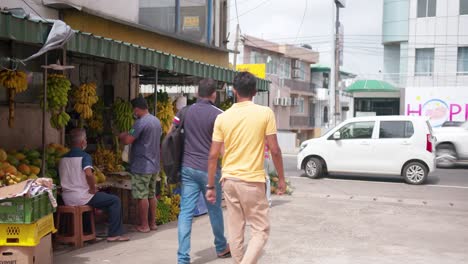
(123,115)
(59,120)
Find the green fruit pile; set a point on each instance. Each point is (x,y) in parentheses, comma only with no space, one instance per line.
(123,115)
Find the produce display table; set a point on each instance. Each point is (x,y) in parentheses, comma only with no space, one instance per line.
(119,184)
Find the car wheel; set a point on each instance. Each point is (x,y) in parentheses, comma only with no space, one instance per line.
(446,156)
(313,168)
(415,173)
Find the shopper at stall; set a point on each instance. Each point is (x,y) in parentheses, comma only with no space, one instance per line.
(79,185)
(242,130)
(144,137)
(198,126)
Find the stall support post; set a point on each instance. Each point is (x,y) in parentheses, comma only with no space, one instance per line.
(44,104)
(156,76)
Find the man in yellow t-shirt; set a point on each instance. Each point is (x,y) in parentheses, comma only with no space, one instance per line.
(242,130)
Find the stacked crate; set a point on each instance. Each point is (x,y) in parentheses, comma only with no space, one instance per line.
(26,225)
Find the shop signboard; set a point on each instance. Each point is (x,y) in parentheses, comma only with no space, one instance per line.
(259,70)
(191,23)
(439,104)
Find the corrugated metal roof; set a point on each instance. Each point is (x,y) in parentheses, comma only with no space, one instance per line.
(28,31)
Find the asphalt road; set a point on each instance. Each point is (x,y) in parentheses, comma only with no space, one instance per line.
(456,177)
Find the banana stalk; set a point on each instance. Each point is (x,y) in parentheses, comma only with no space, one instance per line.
(11,107)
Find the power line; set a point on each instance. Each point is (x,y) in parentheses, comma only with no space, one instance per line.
(250,10)
(237,12)
(37,13)
(302,21)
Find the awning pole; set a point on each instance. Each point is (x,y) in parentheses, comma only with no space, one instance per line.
(156,75)
(44,104)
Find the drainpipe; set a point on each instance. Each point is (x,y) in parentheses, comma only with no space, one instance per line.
(208,24)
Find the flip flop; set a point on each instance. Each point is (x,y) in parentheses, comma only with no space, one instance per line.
(118,239)
(225,255)
(138,229)
(153,228)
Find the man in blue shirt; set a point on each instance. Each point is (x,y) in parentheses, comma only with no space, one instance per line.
(198,127)
(79,185)
(145,137)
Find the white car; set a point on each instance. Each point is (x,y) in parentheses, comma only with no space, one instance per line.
(452,145)
(380,145)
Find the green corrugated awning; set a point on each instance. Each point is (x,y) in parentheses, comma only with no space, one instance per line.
(29,31)
(371,86)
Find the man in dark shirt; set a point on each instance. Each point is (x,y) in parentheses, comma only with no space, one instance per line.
(198,127)
(145,137)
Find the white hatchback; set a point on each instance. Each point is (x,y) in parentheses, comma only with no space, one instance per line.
(379,145)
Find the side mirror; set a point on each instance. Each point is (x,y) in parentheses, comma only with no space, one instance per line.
(337,135)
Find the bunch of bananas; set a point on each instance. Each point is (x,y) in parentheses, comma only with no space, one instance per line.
(85,97)
(106,159)
(96,124)
(227,104)
(58,87)
(123,115)
(59,120)
(15,82)
(165,115)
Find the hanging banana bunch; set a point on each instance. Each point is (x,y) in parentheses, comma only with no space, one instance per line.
(15,82)
(58,87)
(123,114)
(85,97)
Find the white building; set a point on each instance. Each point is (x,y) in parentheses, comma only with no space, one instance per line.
(426,54)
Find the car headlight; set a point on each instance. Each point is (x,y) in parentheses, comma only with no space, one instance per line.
(303,146)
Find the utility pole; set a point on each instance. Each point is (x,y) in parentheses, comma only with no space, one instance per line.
(236,45)
(335,105)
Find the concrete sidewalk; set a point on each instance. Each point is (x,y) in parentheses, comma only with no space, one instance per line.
(320,223)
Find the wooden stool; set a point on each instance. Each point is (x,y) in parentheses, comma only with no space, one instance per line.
(70,225)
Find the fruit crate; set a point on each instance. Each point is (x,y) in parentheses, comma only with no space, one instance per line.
(26,210)
(26,235)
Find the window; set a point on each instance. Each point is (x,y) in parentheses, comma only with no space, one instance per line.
(285,68)
(396,129)
(427,8)
(300,105)
(272,64)
(193,19)
(357,130)
(302,71)
(462,61)
(424,65)
(463,7)
(158,14)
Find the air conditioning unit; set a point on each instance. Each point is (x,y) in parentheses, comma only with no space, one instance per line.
(296,64)
(277,101)
(296,74)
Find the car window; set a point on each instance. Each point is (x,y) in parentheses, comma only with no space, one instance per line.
(396,129)
(357,130)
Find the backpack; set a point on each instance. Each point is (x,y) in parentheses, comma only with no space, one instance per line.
(173,150)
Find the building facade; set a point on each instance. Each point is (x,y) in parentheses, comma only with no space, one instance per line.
(426,54)
(291,93)
(320,79)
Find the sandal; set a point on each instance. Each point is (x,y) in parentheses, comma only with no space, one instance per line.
(141,230)
(118,239)
(154,228)
(225,254)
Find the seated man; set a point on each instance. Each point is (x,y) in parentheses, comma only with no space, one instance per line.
(79,185)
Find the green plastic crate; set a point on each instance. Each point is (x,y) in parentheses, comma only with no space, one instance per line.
(26,210)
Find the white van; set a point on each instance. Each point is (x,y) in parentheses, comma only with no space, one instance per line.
(386,145)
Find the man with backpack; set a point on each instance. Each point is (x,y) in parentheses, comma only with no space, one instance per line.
(197,122)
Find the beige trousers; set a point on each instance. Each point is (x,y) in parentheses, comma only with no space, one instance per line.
(246,202)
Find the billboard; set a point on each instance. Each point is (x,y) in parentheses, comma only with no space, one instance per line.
(259,70)
(440,104)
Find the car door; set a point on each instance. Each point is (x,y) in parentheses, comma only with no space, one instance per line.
(353,150)
(395,145)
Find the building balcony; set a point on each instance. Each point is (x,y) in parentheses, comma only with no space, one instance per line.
(302,122)
(299,86)
(322,94)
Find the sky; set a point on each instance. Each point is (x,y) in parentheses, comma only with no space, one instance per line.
(311,22)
